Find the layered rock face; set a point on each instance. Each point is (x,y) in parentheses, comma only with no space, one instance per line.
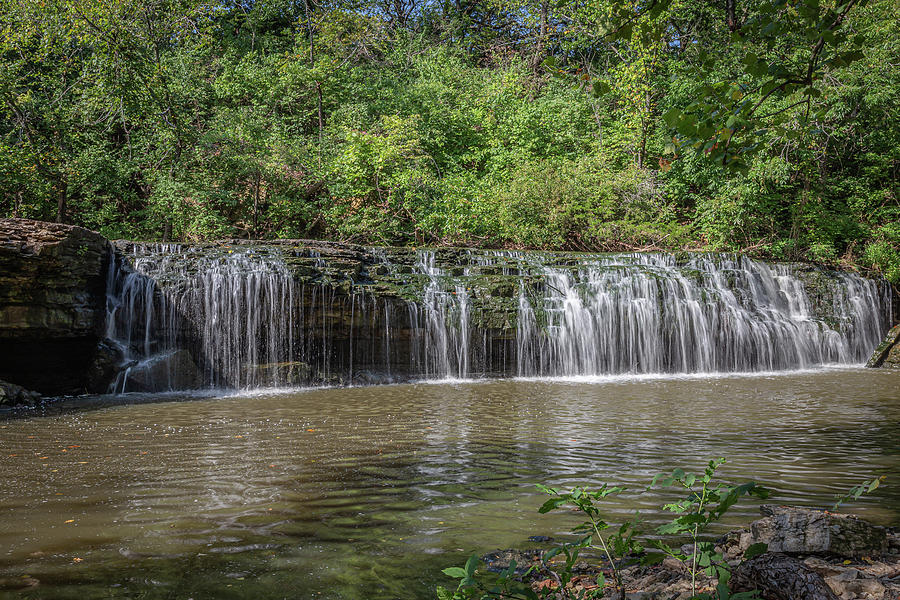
(887,355)
(296,312)
(78,313)
(52,296)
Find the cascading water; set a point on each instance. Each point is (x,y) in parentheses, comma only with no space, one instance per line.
(242,316)
(236,308)
(642,313)
(443,319)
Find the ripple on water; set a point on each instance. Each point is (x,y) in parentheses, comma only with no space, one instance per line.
(369,492)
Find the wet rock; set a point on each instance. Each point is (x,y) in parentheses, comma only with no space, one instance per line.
(887,355)
(108,362)
(175,370)
(290,373)
(15,395)
(794,530)
(52,294)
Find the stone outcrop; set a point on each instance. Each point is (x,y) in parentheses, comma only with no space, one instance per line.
(887,355)
(15,395)
(52,291)
(335,313)
(805,531)
(780,577)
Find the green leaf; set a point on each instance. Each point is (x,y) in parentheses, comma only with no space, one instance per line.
(471,565)
(672,117)
(551,504)
(551,553)
(600,88)
(455,572)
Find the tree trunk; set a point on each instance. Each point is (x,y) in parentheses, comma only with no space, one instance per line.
(731,16)
(538,57)
(780,577)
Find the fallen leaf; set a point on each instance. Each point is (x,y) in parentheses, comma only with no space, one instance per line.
(70,521)
(546,583)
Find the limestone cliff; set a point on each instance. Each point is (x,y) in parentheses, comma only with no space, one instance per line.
(52,290)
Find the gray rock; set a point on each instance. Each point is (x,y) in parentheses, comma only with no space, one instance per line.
(52,295)
(15,395)
(793,530)
(108,361)
(175,370)
(780,577)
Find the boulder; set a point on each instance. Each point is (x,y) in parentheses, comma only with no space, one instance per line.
(108,361)
(52,303)
(794,530)
(167,371)
(887,355)
(15,395)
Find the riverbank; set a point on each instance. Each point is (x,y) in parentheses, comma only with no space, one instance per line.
(811,555)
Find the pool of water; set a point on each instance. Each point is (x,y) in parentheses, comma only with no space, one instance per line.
(370,492)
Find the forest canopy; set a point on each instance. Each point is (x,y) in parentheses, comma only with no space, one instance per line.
(757,126)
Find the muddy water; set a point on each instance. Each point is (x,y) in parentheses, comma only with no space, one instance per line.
(369,492)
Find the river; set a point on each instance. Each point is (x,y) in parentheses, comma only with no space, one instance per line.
(369,492)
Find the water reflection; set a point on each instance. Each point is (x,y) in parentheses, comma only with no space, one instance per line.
(369,492)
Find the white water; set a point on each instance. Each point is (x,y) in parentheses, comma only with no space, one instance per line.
(237,307)
(640,314)
(236,318)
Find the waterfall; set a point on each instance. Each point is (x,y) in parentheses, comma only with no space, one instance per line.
(285,314)
(643,313)
(443,319)
(236,308)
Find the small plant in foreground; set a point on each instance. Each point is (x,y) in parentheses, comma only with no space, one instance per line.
(620,543)
(705,503)
(618,546)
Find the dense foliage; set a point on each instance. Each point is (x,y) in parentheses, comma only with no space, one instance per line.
(758,126)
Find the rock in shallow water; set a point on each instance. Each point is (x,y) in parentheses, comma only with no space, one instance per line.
(16,395)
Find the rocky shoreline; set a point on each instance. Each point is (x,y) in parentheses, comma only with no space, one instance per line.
(811,555)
